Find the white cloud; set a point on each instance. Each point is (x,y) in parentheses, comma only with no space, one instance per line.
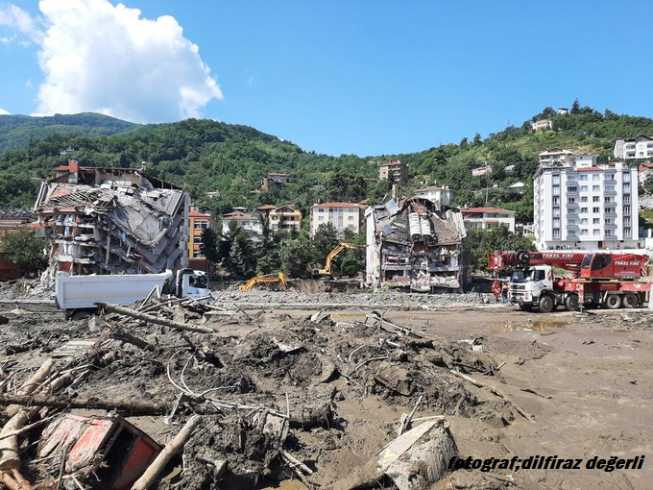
(3,112)
(106,58)
(19,22)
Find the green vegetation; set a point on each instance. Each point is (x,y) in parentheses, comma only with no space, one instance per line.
(18,131)
(25,250)
(481,242)
(204,156)
(292,253)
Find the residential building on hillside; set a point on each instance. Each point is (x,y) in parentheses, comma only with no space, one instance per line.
(415,244)
(481,171)
(395,171)
(563,111)
(586,207)
(644,171)
(555,155)
(485,218)
(198,223)
(244,221)
(342,215)
(281,218)
(633,148)
(274,179)
(542,125)
(442,196)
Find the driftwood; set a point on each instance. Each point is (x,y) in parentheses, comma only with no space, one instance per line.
(14,481)
(132,406)
(480,384)
(158,465)
(152,319)
(9,456)
(33,384)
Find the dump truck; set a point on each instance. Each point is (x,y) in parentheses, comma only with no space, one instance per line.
(78,295)
(598,279)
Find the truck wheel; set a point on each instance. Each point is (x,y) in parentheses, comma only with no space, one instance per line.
(612,302)
(80,315)
(630,300)
(524,307)
(546,304)
(571,302)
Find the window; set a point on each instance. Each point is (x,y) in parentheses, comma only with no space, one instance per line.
(583,231)
(583,210)
(572,188)
(350,218)
(627,232)
(571,221)
(596,177)
(321,218)
(583,199)
(596,210)
(609,221)
(583,188)
(626,187)
(556,222)
(556,211)
(571,200)
(627,221)
(596,232)
(596,199)
(583,177)
(556,190)
(626,176)
(627,199)
(626,210)
(556,233)
(556,179)
(596,188)
(556,201)
(608,200)
(584,221)
(596,221)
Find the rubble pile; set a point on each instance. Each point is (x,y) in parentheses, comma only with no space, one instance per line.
(225,399)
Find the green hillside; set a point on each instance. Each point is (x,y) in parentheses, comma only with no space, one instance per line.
(17,131)
(205,155)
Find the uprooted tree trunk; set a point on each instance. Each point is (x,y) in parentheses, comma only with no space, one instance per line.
(153,319)
(154,470)
(131,406)
(34,383)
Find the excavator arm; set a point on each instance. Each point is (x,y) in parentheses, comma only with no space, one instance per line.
(280,278)
(328,264)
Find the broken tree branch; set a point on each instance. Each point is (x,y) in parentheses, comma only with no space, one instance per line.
(154,470)
(480,384)
(132,406)
(152,319)
(33,383)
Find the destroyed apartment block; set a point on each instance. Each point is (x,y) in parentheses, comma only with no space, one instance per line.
(112,220)
(415,244)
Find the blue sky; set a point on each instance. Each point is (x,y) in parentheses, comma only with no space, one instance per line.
(363,77)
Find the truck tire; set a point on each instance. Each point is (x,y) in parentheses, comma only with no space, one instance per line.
(630,300)
(546,304)
(612,301)
(524,307)
(571,302)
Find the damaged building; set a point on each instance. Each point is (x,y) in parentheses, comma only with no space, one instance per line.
(416,245)
(102,220)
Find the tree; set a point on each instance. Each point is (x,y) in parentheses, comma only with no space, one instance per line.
(296,256)
(242,261)
(575,108)
(210,245)
(481,242)
(477,140)
(25,249)
(464,142)
(325,240)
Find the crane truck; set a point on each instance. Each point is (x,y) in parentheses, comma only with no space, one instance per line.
(607,279)
(77,295)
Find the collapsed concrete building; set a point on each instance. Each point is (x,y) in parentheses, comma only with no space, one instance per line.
(416,245)
(102,220)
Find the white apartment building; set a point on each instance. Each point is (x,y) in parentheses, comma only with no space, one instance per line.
(585,206)
(442,196)
(488,218)
(555,155)
(632,148)
(341,215)
(542,124)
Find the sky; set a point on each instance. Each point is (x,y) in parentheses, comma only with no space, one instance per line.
(375,77)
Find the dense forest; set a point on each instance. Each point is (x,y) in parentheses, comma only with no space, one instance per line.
(205,155)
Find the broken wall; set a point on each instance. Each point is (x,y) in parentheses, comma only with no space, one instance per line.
(415,245)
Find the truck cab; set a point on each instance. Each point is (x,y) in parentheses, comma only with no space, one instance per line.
(192,284)
(529,284)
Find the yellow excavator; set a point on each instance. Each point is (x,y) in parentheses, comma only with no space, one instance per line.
(328,265)
(280,278)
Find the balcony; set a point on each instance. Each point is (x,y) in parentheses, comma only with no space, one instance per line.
(609,193)
(610,226)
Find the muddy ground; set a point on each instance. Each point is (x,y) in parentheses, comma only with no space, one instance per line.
(346,381)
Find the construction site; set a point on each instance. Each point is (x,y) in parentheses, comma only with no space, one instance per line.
(121,368)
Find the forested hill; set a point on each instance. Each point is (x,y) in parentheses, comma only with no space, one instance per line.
(17,131)
(205,156)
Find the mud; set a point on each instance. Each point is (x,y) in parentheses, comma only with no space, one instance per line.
(345,382)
